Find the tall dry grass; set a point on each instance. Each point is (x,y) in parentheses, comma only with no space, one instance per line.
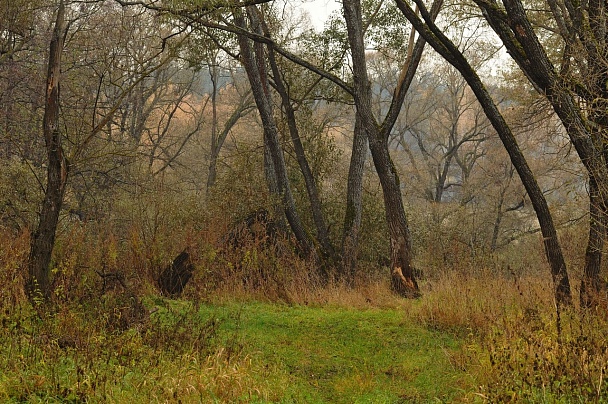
(517,348)
(512,345)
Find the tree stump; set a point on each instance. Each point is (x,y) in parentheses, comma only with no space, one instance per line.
(174,278)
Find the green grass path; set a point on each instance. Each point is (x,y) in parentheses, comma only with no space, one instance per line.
(230,353)
(338,355)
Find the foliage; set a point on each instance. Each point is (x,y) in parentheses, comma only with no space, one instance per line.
(20,193)
(72,357)
(235,353)
(256,323)
(535,364)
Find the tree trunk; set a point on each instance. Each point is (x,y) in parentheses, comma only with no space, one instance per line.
(173,278)
(254,63)
(591,285)
(586,132)
(402,275)
(38,285)
(354,206)
(450,52)
(215,146)
(312,189)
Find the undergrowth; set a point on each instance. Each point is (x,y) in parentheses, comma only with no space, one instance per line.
(71,357)
(110,337)
(516,350)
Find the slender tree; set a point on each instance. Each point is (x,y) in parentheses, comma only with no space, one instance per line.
(446,48)
(43,240)
(402,274)
(576,86)
(253,59)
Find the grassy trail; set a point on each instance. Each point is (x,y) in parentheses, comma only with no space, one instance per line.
(230,353)
(338,355)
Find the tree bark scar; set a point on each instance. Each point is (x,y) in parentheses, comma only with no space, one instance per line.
(399,272)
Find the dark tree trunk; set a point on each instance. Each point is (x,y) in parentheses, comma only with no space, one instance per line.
(174,278)
(43,240)
(585,130)
(450,52)
(442,178)
(215,141)
(309,180)
(591,285)
(354,206)
(255,67)
(402,276)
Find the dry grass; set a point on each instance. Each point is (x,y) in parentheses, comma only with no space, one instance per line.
(507,321)
(14,249)
(478,302)
(515,349)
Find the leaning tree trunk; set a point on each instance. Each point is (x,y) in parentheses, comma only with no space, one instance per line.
(255,68)
(38,285)
(312,189)
(450,53)
(402,275)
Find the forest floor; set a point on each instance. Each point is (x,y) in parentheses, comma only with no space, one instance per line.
(233,352)
(481,337)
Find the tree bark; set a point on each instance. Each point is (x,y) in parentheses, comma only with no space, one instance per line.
(585,31)
(354,205)
(312,189)
(402,275)
(591,285)
(255,67)
(450,52)
(215,142)
(38,285)
(586,129)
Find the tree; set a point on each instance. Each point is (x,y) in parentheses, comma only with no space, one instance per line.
(448,135)
(244,106)
(24,32)
(253,60)
(402,273)
(43,239)
(354,203)
(574,81)
(69,138)
(446,48)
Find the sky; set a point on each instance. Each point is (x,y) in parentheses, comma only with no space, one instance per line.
(319,10)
